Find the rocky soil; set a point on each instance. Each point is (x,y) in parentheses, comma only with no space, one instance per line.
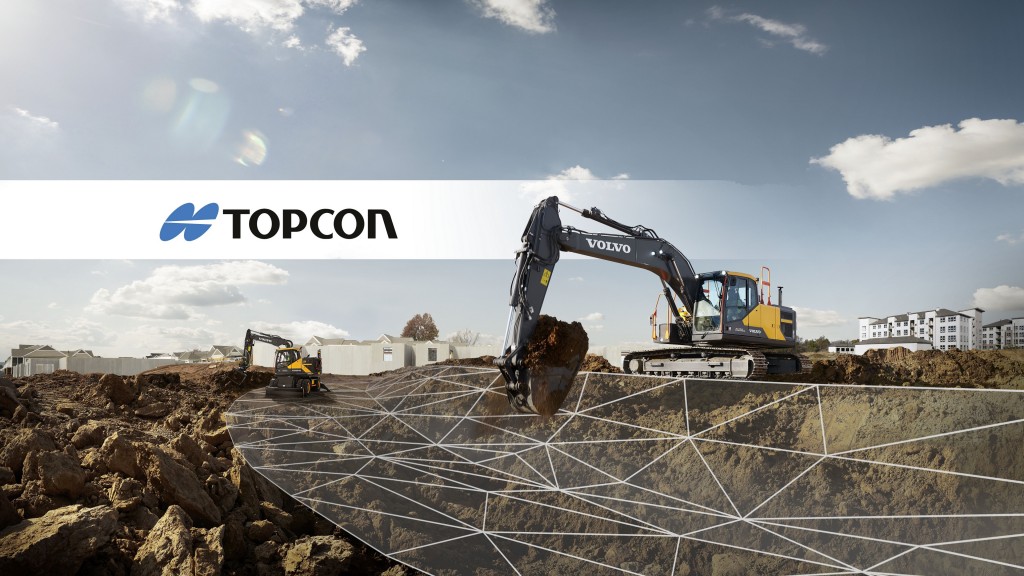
(103,474)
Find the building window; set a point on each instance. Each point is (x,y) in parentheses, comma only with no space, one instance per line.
(942,329)
(952,328)
(388,354)
(942,338)
(431,354)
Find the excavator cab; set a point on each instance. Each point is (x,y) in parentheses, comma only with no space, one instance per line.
(293,371)
(724,301)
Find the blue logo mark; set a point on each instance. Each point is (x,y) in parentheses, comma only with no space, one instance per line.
(187,219)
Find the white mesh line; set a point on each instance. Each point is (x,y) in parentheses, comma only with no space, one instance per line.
(720,487)
(781,490)
(511,565)
(644,391)
(764,552)
(922,469)
(705,512)
(754,411)
(930,437)
(975,558)
(566,554)
(973,540)
(805,547)
(821,417)
(500,429)
(675,435)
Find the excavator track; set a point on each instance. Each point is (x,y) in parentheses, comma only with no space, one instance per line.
(699,362)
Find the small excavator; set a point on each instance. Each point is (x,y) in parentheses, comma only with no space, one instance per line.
(723,324)
(292,371)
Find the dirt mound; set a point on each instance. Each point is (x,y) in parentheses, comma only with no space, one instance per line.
(145,463)
(485,361)
(595,363)
(901,367)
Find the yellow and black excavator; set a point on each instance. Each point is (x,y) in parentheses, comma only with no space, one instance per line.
(292,371)
(723,323)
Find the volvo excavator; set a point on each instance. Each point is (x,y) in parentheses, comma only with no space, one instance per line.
(722,324)
(292,371)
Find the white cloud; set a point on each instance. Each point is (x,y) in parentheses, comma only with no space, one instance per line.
(1000,298)
(153,10)
(72,334)
(255,16)
(175,292)
(794,34)
(53,305)
(148,338)
(41,123)
(336,6)
(250,15)
(300,331)
(530,15)
(811,318)
(878,167)
(346,45)
(564,184)
(592,317)
(1011,239)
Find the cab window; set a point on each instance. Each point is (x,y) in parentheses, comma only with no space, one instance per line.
(740,298)
(708,313)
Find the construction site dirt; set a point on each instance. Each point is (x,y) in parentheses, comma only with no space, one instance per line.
(103,474)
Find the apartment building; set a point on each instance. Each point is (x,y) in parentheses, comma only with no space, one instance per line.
(945,329)
(1008,333)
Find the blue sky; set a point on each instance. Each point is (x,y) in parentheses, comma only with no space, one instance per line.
(870,152)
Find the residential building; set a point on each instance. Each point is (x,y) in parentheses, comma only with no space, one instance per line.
(1008,333)
(945,329)
(224,353)
(842,348)
(909,342)
(31,359)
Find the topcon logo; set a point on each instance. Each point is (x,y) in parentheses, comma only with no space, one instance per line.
(265,223)
(185,218)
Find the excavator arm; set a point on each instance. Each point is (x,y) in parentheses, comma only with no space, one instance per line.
(543,241)
(251,337)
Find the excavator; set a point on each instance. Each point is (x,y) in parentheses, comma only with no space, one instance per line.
(721,324)
(292,371)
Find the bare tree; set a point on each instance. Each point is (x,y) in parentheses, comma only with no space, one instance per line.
(465,337)
(420,327)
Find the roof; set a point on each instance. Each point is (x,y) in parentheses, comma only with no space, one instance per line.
(948,312)
(225,349)
(895,340)
(36,351)
(878,323)
(394,339)
(900,318)
(318,341)
(998,323)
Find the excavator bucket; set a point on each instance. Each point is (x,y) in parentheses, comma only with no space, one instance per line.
(547,386)
(539,373)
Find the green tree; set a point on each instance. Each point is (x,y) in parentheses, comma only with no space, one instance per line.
(420,327)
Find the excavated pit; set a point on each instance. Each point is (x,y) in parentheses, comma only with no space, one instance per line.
(648,475)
